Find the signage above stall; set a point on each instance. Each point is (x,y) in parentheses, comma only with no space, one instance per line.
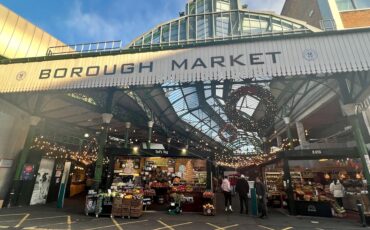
(312,54)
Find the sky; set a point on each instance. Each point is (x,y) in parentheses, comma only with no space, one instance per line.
(82,21)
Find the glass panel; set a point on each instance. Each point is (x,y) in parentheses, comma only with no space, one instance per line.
(174,31)
(345,5)
(208,6)
(222,5)
(166,33)
(360,4)
(183,29)
(201,28)
(148,38)
(192,8)
(246,27)
(192,29)
(222,25)
(200,6)
(157,36)
(139,42)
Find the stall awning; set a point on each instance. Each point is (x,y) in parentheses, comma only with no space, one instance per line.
(300,55)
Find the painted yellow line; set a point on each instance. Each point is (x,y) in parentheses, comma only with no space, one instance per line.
(50,217)
(116,224)
(22,221)
(231,226)
(109,226)
(261,226)
(19,214)
(287,228)
(222,228)
(4,227)
(172,226)
(69,222)
(164,224)
(215,226)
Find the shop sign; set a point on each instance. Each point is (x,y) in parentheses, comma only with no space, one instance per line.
(5,163)
(311,208)
(161,152)
(260,60)
(316,152)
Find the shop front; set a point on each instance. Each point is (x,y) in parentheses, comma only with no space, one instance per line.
(303,181)
(156,180)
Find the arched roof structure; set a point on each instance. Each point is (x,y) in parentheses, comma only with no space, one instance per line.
(213,20)
(206,21)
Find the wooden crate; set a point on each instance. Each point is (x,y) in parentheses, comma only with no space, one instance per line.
(135,202)
(116,212)
(136,213)
(117,201)
(126,201)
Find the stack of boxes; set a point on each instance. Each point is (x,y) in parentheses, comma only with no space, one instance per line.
(136,209)
(117,207)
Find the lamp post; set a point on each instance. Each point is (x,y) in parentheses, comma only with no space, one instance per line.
(150,128)
(168,142)
(127,126)
(289,132)
(287,176)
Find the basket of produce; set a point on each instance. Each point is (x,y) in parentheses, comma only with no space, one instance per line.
(209,210)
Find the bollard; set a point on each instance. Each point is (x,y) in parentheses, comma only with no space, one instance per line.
(361,213)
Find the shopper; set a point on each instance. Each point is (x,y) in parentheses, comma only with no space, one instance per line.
(337,189)
(226,189)
(242,188)
(261,196)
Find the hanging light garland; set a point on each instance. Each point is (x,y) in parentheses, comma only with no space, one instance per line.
(240,161)
(87,156)
(245,122)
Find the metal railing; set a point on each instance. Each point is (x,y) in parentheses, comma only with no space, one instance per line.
(93,47)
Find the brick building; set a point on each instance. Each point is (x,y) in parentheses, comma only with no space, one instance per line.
(330,14)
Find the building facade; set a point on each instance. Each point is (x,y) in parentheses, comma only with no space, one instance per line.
(330,14)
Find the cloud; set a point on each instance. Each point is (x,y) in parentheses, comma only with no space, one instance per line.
(91,26)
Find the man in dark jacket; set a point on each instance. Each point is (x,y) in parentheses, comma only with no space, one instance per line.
(242,187)
(261,196)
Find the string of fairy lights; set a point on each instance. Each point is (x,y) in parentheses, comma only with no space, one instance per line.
(86,155)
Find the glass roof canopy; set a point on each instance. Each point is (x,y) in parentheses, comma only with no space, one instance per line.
(213,20)
(201,105)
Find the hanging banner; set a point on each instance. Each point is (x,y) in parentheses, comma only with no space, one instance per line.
(41,189)
(63,184)
(308,54)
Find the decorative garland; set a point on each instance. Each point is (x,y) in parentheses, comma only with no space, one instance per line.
(242,120)
(231,130)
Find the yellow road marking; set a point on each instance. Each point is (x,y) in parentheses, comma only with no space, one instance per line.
(172,226)
(222,228)
(19,214)
(116,224)
(166,225)
(22,221)
(69,222)
(261,226)
(4,227)
(287,228)
(109,226)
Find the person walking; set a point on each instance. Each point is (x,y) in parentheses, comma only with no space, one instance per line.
(242,188)
(226,189)
(337,189)
(261,196)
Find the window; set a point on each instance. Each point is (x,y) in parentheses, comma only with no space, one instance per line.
(344,5)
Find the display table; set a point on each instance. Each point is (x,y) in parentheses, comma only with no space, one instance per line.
(311,208)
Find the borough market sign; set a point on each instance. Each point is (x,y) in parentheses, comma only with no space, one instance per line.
(320,53)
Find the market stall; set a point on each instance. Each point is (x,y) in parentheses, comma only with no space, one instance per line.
(304,177)
(175,183)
